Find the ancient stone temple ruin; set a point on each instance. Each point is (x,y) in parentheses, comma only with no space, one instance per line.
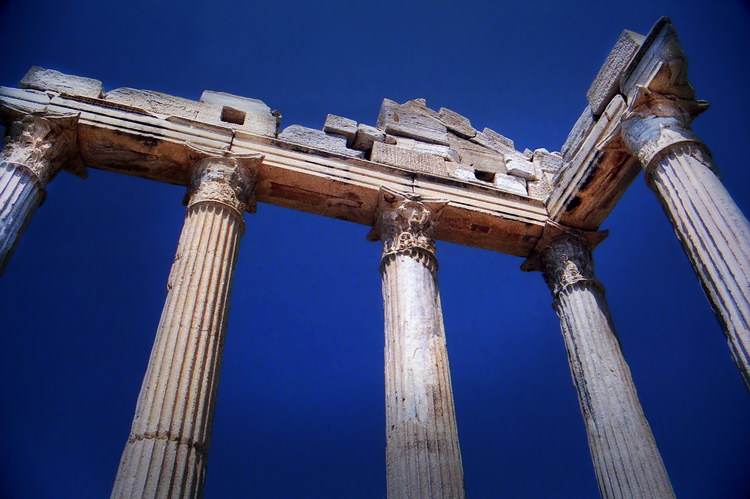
(417,175)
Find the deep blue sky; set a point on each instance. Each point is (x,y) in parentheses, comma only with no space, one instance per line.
(300,409)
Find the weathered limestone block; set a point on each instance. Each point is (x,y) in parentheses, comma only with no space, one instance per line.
(607,81)
(423,456)
(528,153)
(549,162)
(410,159)
(509,183)
(366,136)
(406,121)
(542,186)
(420,106)
(520,168)
(623,449)
(341,126)
(154,102)
(242,113)
(490,142)
(167,450)
(476,156)
(497,138)
(456,123)
(36,149)
(318,139)
(48,79)
(444,152)
(578,133)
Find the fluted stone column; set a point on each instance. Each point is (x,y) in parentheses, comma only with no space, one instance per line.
(713,231)
(36,148)
(165,455)
(623,449)
(423,457)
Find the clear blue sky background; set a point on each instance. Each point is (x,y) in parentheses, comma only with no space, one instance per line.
(300,409)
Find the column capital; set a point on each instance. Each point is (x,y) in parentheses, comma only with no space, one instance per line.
(225,179)
(405,224)
(42,145)
(563,255)
(656,123)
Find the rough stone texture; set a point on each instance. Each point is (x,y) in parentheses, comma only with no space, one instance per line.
(36,149)
(407,121)
(444,152)
(607,81)
(341,126)
(243,113)
(166,453)
(498,139)
(547,161)
(578,133)
(626,459)
(48,79)
(520,168)
(456,123)
(423,457)
(319,140)
(511,184)
(476,156)
(540,188)
(410,159)
(366,136)
(155,102)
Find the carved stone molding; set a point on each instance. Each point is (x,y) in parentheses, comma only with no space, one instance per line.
(42,145)
(405,224)
(228,180)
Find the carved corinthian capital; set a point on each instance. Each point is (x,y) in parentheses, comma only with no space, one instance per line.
(227,180)
(566,260)
(42,145)
(405,224)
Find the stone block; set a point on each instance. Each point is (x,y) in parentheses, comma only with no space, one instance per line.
(539,189)
(476,156)
(420,106)
(242,113)
(509,183)
(486,141)
(520,168)
(38,78)
(444,152)
(607,81)
(341,126)
(456,123)
(155,102)
(578,133)
(366,136)
(318,139)
(499,139)
(547,161)
(406,121)
(410,159)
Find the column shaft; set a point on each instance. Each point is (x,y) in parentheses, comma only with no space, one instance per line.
(423,456)
(20,196)
(623,449)
(165,455)
(715,235)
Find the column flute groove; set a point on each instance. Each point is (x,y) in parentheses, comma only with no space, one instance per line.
(166,453)
(423,457)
